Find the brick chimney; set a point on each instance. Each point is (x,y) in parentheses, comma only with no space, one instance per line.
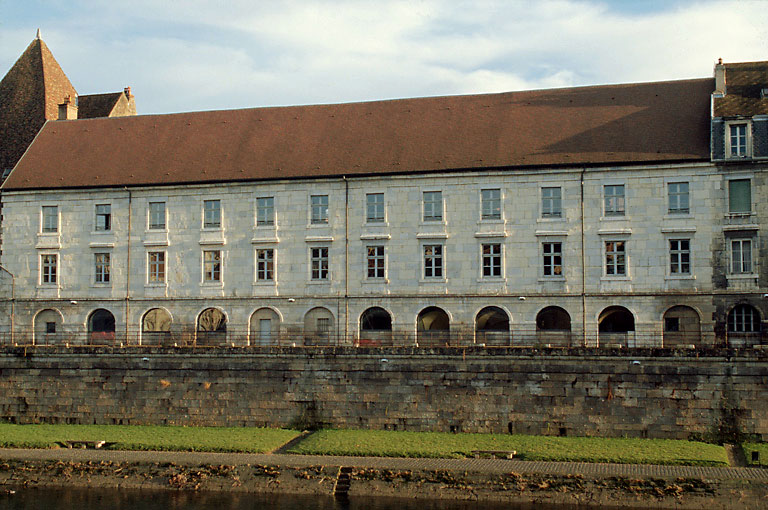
(720,77)
(131,110)
(67,110)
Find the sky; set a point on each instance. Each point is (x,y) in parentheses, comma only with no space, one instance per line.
(203,55)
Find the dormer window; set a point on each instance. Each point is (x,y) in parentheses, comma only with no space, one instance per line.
(738,140)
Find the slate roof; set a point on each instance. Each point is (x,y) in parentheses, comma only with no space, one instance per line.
(615,124)
(743,83)
(92,106)
(29,94)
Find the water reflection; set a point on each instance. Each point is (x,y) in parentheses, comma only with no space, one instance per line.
(100,499)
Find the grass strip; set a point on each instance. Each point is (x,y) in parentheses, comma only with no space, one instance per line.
(762,452)
(149,437)
(381,443)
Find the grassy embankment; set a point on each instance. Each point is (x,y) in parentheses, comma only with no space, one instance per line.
(761,449)
(575,449)
(138,437)
(373,443)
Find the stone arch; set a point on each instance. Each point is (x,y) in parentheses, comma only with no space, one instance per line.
(433,327)
(156,327)
(319,326)
(264,327)
(375,327)
(616,325)
(492,326)
(47,327)
(101,327)
(212,327)
(553,326)
(743,326)
(682,326)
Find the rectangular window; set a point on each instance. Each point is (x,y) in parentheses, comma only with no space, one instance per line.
(319,261)
(491,260)
(551,202)
(739,196)
(102,267)
(103,218)
(48,269)
(265,265)
(433,205)
(433,261)
(374,207)
(375,258)
(265,211)
(50,327)
(615,258)
(553,259)
(156,267)
(614,199)
(319,209)
(212,266)
(491,204)
(741,256)
(211,214)
(679,256)
(323,326)
(157,215)
(679,202)
(737,140)
(50,219)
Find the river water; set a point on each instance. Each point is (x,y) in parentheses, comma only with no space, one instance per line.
(104,499)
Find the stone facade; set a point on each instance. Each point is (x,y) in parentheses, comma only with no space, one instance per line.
(645,393)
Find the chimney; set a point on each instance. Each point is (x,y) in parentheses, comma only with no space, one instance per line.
(131,110)
(720,77)
(67,110)
(127,91)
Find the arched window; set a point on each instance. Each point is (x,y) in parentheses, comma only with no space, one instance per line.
(553,327)
(319,327)
(47,328)
(101,327)
(156,327)
(492,326)
(744,319)
(681,326)
(211,327)
(433,327)
(616,325)
(375,327)
(264,327)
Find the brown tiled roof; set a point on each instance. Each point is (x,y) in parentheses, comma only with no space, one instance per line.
(92,106)
(743,83)
(29,94)
(637,123)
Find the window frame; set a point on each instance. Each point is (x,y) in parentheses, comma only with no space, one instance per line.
(213,269)
(434,262)
(265,211)
(319,264)
(676,264)
(550,264)
(157,269)
(623,253)
(265,265)
(379,261)
(731,211)
(216,220)
(740,319)
(319,212)
(617,203)
(103,218)
(380,209)
(548,210)
(491,207)
(729,146)
(102,269)
(491,261)
(151,224)
(436,206)
(48,277)
(44,227)
(732,259)
(678,210)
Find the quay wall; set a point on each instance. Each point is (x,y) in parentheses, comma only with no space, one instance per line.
(636,393)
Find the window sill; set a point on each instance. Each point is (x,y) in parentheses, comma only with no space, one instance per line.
(624,278)
(265,283)
(212,285)
(375,281)
(433,280)
(374,224)
(742,276)
(106,285)
(552,279)
(680,277)
(326,281)
(156,285)
(495,221)
(102,232)
(617,217)
(492,279)
(552,219)
(678,216)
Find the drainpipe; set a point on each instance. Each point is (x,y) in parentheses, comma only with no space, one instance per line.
(346,257)
(583,271)
(128,266)
(13,301)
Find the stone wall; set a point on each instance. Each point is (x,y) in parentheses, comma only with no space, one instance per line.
(638,393)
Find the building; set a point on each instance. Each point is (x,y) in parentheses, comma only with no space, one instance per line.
(622,215)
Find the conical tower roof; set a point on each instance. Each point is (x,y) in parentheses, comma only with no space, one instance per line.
(29,95)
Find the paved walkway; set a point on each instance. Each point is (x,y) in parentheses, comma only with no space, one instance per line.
(491,466)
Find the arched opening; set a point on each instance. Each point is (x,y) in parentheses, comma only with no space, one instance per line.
(47,329)
(319,327)
(433,327)
(743,326)
(101,327)
(616,325)
(375,327)
(681,327)
(492,326)
(265,327)
(156,327)
(212,327)
(553,327)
